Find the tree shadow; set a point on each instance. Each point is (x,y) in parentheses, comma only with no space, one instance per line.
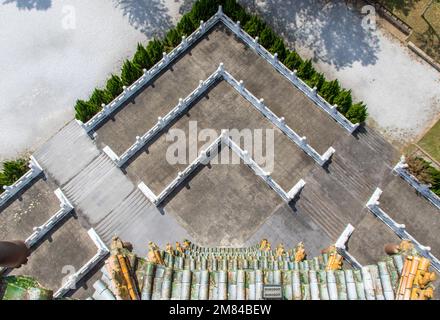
(30,4)
(331,30)
(148,16)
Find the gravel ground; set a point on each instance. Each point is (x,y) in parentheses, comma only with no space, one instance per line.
(45,66)
(401,90)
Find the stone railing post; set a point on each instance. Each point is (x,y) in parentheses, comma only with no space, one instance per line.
(221,67)
(165,57)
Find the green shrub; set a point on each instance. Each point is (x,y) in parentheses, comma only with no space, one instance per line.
(130,72)
(329,90)
(343,100)
(317,81)
(84,110)
(306,70)
(357,113)
(100,96)
(435,180)
(293,61)
(202,10)
(235,11)
(173,38)
(114,86)
(254,26)
(12,171)
(279,47)
(141,57)
(267,37)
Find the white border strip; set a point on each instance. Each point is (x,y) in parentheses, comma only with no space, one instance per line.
(399,229)
(400,168)
(204,27)
(72,282)
(204,158)
(184,104)
(10,191)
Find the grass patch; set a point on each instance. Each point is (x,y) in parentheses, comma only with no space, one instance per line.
(431,142)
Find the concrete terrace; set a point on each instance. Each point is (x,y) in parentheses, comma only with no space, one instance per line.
(29,209)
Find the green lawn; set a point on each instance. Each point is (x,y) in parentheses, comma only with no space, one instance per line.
(431,142)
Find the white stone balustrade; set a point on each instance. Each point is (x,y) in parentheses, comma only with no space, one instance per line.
(184,104)
(423,189)
(41,231)
(72,283)
(10,191)
(205,156)
(399,229)
(187,42)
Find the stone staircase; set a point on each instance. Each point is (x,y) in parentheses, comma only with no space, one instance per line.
(326,217)
(66,153)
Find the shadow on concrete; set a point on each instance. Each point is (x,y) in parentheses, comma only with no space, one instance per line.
(331,30)
(148,16)
(30,4)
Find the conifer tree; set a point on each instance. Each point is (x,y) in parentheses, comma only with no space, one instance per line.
(130,72)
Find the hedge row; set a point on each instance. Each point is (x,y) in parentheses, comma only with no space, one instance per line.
(425,173)
(146,57)
(12,171)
